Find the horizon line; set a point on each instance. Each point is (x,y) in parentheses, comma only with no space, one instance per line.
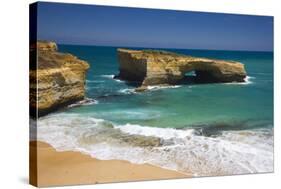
(177,48)
(269,51)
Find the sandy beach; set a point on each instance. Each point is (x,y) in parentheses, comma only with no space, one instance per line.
(69,168)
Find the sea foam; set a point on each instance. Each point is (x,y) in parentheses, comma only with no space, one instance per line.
(94,81)
(156,87)
(108,76)
(248,80)
(184,150)
(84,102)
(127,91)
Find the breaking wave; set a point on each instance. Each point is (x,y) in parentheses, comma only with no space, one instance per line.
(248,80)
(127,91)
(156,87)
(84,102)
(185,150)
(149,88)
(108,76)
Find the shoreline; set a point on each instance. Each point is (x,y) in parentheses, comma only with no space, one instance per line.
(69,168)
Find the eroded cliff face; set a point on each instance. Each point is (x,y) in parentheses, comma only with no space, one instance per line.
(58,81)
(151,67)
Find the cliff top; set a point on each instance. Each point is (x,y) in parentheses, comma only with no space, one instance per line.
(49,57)
(47,46)
(169,56)
(154,67)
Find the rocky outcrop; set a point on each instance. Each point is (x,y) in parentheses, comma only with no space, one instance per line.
(47,46)
(59,79)
(151,67)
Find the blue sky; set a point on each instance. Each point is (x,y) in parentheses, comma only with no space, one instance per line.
(136,27)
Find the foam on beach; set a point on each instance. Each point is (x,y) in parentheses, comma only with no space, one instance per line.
(184,150)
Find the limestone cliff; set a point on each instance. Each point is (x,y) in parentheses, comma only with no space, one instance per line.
(46,46)
(58,80)
(151,67)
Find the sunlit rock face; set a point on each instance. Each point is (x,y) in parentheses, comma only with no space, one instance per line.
(59,79)
(151,67)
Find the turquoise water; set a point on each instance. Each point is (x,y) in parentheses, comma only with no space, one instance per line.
(234,120)
(178,107)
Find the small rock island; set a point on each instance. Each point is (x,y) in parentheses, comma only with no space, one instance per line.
(153,67)
(57,80)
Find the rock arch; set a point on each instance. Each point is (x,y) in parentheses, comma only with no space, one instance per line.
(150,67)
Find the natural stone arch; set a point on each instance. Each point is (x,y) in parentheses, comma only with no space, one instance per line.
(151,67)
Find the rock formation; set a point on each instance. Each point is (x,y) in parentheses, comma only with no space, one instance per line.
(151,67)
(59,79)
(47,46)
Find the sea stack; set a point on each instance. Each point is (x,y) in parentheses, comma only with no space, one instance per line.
(153,67)
(58,79)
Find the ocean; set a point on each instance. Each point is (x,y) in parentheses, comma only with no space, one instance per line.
(205,129)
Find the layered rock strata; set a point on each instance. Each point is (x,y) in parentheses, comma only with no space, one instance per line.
(151,67)
(57,80)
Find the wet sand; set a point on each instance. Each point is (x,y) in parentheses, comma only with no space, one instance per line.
(70,168)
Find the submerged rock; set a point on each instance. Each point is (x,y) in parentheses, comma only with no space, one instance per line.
(152,67)
(59,79)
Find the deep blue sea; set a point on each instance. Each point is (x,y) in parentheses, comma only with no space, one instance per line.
(206,129)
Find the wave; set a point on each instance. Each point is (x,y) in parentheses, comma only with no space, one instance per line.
(94,81)
(156,87)
(84,102)
(164,133)
(112,77)
(184,150)
(149,88)
(131,114)
(108,76)
(127,91)
(248,80)
(118,80)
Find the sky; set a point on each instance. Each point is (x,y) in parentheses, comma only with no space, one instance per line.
(154,28)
